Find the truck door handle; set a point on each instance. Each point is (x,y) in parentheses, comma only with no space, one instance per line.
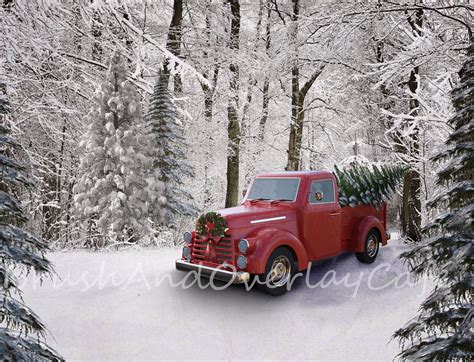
(334,213)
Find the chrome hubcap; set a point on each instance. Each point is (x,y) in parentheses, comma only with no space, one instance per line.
(372,246)
(280,271)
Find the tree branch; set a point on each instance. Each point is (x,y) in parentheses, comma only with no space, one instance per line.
(278,11)
(420,7)
(306,87)
(183,65)
(332,62)
(147,87)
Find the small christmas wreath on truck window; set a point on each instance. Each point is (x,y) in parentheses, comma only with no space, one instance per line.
(296,218)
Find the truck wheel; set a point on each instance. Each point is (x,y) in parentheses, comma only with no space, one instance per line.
(278,272)
(371,248)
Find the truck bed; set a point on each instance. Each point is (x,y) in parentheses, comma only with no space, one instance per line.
(351,217)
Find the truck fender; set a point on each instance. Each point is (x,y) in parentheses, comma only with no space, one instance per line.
(367,224)
(266,240)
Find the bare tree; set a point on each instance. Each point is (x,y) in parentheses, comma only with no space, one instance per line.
(233,128)
(298,96)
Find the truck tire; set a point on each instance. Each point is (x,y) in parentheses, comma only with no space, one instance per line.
(371,248)
(281,264)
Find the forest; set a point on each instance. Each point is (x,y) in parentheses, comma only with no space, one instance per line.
(129,119)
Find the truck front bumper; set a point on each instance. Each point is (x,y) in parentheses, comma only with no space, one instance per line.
(213,273)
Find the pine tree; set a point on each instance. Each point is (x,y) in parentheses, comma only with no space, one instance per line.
(118,190)
(443,328)
(167,153)
(361,184)
(21,329)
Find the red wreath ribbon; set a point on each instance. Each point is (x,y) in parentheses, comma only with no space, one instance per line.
(212,241)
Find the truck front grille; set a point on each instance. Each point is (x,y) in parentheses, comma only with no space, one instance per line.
(223,250)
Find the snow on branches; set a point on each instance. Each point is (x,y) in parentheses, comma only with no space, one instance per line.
(443,328)
(167,151)
(118,190)
(19,251)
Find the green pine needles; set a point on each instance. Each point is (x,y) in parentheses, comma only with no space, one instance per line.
(21,330)
(168,145)
(373,185)
(443,328)
(217,221)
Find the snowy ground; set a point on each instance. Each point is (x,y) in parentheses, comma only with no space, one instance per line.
(110,306)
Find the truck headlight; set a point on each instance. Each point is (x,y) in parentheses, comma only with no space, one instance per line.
(243,245)
(187,253)
(187,237)
(242,262)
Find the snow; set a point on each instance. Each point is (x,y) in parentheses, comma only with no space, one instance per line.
(108,305)
(112,167)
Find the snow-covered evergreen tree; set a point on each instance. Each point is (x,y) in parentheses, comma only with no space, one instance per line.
(167,152)
(443,329)
(21,330)
(118,189)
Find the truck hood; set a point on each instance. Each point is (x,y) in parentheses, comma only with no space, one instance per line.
(257,215)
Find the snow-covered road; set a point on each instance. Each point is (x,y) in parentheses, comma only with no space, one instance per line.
(113,306)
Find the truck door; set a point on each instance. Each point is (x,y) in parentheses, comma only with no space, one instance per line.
(322,221)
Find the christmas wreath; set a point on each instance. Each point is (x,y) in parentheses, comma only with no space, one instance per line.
(211,224)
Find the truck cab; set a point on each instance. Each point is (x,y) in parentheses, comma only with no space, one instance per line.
(285,221)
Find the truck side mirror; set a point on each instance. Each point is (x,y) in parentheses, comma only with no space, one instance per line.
(244,192)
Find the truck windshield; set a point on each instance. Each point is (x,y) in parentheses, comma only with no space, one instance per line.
(284,189)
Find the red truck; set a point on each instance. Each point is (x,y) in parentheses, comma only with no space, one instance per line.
(285,221)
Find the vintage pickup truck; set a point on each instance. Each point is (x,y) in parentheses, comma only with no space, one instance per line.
(285,221)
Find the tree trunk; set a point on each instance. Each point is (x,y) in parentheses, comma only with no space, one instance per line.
(294,147)
(297,118)
(266,82)
(76,10)
(411,208)
(209,92)
(233,129)
(297,98)
(97,35)
(296,127)
(265,104)
(208,106)
(173,44)
(208,115)
(247,146)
